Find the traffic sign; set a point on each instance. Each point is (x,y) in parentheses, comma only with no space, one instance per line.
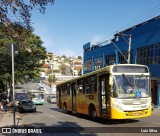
(9,49)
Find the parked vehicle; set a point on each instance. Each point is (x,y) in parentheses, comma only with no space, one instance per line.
(26,105)
(51,98)
(41,88)
(19,97)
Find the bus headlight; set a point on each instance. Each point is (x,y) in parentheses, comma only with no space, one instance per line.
(119,108)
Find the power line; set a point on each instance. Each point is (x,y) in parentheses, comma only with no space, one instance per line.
(147,15)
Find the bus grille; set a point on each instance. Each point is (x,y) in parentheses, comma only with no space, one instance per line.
(136,113)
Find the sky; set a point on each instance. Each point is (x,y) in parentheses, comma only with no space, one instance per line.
(69,24)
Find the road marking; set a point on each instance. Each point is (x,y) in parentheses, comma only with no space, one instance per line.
(155,123)
(60,120)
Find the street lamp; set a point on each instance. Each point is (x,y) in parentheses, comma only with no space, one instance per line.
(128,42)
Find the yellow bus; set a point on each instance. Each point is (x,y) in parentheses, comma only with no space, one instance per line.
(120,91)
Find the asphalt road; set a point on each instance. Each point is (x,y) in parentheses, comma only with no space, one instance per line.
(49,116)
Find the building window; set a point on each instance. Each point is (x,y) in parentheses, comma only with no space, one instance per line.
(98,63)
(88,65)
(149,54)
(110,59)
(121,58)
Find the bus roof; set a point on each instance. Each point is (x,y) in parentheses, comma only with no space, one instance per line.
(107,68)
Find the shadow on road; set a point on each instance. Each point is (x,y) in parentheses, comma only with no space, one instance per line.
(62,128)
(100,120)
(30,112)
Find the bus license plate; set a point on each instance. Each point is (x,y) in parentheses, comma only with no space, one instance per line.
(136,113)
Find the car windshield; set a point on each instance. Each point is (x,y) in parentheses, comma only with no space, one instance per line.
(126,86)
(21,96)
(26,103)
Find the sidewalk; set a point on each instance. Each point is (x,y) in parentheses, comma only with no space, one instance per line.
(6,118)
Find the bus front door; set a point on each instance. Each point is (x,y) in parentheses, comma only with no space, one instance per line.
(104,95)
(73,90)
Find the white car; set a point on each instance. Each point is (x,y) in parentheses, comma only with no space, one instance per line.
(40,88)
(51,99)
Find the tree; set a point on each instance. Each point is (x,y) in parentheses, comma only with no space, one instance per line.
(15,18)
(79,57)
(52,79)
(64,56)
(15,27)
(19,11)
(27,63)
(63,67)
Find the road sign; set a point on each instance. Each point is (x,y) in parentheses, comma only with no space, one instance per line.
(9,49)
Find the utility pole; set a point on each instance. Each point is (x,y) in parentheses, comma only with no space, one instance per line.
(12,50)
(14,121)
(129,49)
(129,44)
(73,68)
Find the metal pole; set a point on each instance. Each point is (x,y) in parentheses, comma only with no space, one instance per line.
(73,68)
(13,84)
(119,51)
(129,49)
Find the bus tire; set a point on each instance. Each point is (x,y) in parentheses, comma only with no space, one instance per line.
(65,108)
(92,113)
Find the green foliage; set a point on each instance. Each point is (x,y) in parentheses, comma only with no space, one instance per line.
(52,79)
(79,57)
(15,27)
(63,56)
(63,67)
(19,11)
(26,63)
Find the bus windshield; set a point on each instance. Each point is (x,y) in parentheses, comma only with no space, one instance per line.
(39,96)
(127,86)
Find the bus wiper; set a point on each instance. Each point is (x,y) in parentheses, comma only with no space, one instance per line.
(126,79)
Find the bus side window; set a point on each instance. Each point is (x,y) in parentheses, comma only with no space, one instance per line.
(91,84)
(80,86)
(68,88)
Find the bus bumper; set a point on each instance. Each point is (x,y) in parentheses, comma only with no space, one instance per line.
(115,114)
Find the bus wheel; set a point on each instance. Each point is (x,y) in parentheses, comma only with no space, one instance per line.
(65,108)
(92,113)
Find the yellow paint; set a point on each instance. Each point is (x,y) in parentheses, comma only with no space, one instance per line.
(115,114)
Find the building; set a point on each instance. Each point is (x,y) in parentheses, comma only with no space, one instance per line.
(145,49)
